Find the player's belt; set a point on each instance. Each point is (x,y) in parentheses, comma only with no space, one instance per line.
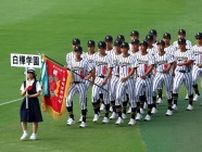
(184,71)
(77,82)
(101,76)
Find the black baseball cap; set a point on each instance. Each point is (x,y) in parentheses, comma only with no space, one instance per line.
(108,38)
(181,32)
(121,37)
(144,43)
(167,35)
(181,41)
(91,43)
(198,36)
(101,44)
(117,43)
(149,37)
(125,45)
(76,41)
(78,49)
(153,32)
(134,33)
(161,42)
(136,41)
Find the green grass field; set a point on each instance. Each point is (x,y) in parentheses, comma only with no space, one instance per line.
(48,26)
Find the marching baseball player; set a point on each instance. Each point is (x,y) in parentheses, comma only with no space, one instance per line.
(197,67)
(134,35)
(183,68)
(75,42)
(121,37)
(102,65)
(127,66)
(144,80)
(163,76)
(81,71)
(115,75)
(109,43)
(182,35)
(153,32)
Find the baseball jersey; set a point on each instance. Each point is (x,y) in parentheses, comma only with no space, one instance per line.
(81,67)
(188,44)
(114,60)
(180,57)
(126,64)
(162,61)
(152,51)
(197,51)
(71,56)
(144,61)
(170,50)
(101,64)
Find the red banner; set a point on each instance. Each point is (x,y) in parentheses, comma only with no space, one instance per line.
(59,81)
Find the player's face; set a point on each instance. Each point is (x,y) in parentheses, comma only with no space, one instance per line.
(118,49)
(143,48)
(167,41)
(133,37)
(109,44)
(182,46)
(181,36)
(160,48)
(91,49)
(199,41)
(77,55)
(135,47)
(102,50)
(124,50)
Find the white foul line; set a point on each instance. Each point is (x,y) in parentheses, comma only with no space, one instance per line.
(5,103)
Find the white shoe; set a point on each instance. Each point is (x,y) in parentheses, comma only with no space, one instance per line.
(141,110)
(145,106)
(105,120)
(83,124)
(70,121)
(24,136)
(138,117)
(154,110)
(189,108)
(159,101)
(169,112)
(186,97)
(95,118)
(113,116)
(33,136)
(174,107)
(102,107)
(124,116)
(132,122)
(81,119)
(147,118)
(129,110)
(119,121)
(196,96)
(111,109)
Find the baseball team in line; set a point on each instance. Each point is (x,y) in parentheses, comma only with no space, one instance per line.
(129,77)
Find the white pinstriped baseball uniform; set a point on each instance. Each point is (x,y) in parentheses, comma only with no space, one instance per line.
(161,78)
(196,72)
(126,64)
(79,86)
(183,73)
(144,61)
(101,65)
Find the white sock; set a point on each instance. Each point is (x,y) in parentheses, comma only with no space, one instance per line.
(25,131)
